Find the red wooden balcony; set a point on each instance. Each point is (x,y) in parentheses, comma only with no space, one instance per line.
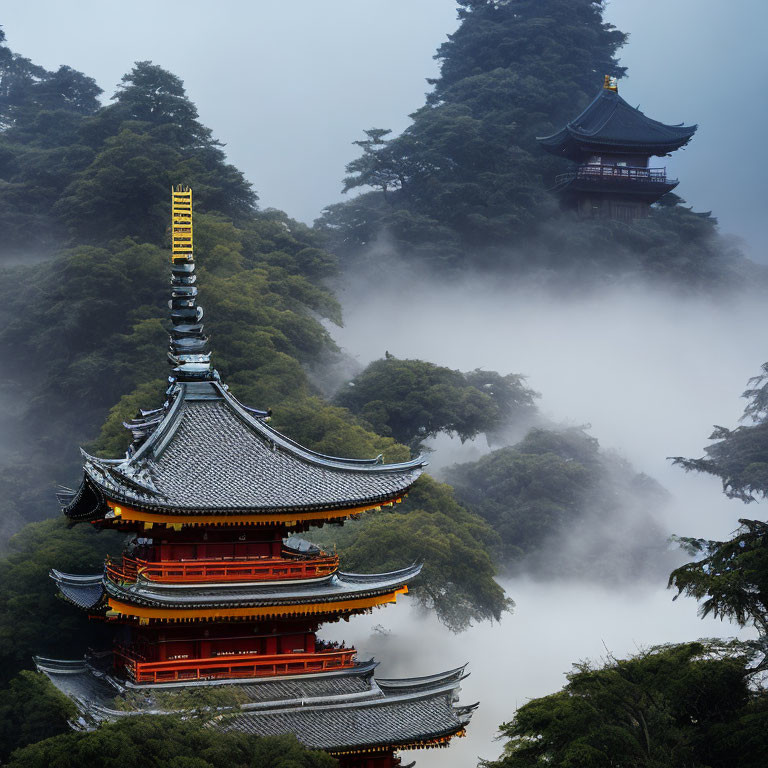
(128,569)
(229,666)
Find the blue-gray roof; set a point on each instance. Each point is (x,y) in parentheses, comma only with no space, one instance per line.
(609,124)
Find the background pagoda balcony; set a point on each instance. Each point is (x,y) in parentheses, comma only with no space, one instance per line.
(623,179)
(129,569)
(227,666)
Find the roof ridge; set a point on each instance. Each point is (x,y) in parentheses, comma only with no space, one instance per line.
(307,454)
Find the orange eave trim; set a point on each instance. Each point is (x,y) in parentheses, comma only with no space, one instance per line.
(436,742)
(337,606)
(128,514)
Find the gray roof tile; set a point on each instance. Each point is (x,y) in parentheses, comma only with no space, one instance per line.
(210,453)
(336,727)
(331,711)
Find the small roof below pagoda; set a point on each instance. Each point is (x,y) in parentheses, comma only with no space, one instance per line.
(610,125)
(208,453)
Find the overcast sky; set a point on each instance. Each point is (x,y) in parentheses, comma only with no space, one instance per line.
(289,85)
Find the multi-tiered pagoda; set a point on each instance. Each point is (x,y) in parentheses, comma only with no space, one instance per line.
(216,592)
(612,143)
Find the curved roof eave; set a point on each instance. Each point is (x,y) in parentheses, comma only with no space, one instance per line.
(157,441)
(324,460)
(331,589)
(634,130)
(86,591)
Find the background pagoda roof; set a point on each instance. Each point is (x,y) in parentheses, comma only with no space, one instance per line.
(609,124)
(210,453)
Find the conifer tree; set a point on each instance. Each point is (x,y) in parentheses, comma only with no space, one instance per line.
(469,162)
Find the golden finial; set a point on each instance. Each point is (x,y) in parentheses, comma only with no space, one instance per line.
(611,84)
(181,223)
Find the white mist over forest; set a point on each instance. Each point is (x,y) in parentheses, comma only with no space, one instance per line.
(651,371)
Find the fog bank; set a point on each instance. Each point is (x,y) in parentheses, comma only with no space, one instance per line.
(651,371)
(526,655)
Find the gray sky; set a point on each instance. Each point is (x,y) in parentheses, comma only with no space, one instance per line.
(289,85)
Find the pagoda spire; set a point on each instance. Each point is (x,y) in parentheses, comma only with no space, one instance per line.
(216,589)
(188,351)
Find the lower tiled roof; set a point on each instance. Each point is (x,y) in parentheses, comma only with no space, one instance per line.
(337,711)
(387,721)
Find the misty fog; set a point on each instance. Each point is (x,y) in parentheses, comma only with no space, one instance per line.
(651,371)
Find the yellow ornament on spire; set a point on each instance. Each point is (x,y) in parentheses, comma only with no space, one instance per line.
(181,223)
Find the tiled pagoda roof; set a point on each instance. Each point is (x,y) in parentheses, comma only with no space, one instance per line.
(205,453)
(89,591)
(208,453)
(610,124)
(338,711)
(391,720)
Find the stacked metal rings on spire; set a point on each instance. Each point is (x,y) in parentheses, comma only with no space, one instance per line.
(188,344)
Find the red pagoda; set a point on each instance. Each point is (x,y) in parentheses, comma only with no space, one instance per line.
(612,142)
(215,590)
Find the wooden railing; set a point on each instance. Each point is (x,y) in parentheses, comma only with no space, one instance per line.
(232,666)
(128,569)
(616,172)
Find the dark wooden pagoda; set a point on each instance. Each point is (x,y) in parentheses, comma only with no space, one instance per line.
(216,590)
(612,143)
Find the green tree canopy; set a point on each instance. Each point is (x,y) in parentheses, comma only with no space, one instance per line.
(74,171)
(34,620)
(31,709)
(429,527)
(465,184)
(739,457)
(556,492)
(412,400)
(155,741)
(731,577)
(674,705)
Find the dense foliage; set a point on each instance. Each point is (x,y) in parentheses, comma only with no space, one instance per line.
(412,400)
(74,170)
(731,577)
(677,705)
(86,327)
(33,619)
(739,457)
(31,709)
(432,528)
(465,183)
(153,741)
(560,505)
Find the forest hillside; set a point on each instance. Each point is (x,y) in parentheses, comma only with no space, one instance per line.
(84,263)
